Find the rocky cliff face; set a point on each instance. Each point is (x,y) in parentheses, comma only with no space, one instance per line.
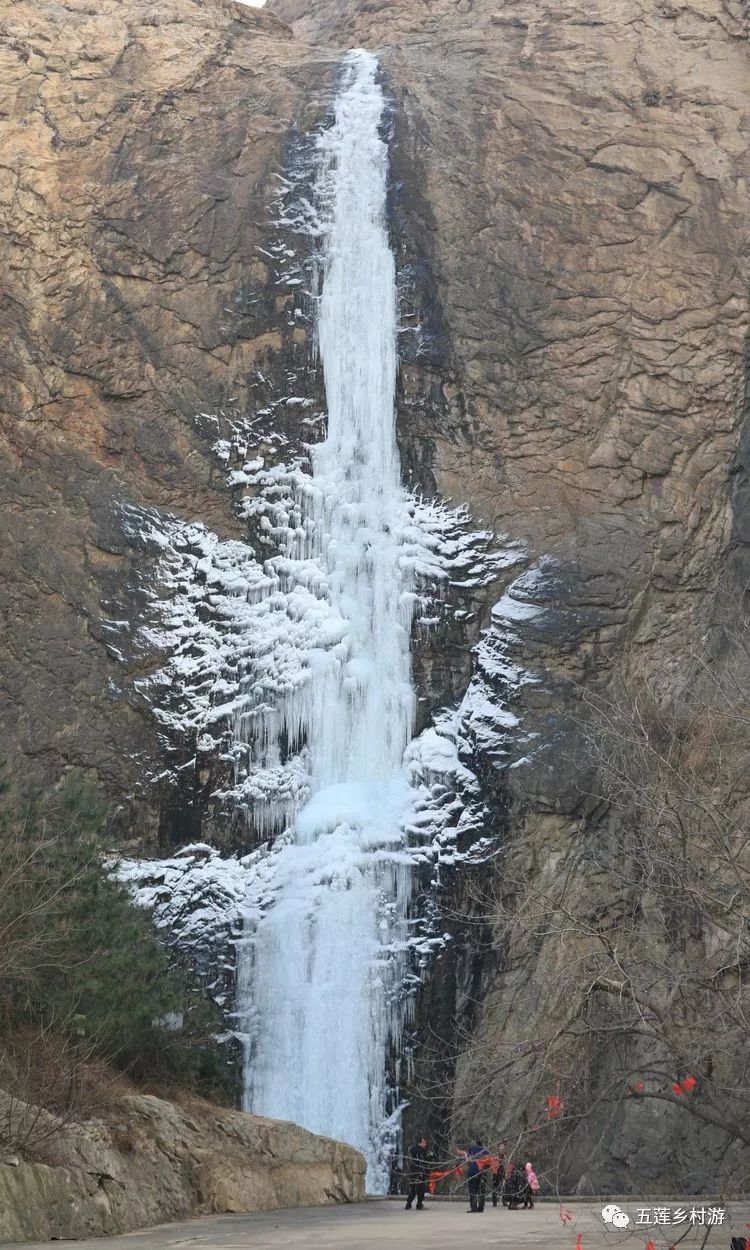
(142,149)
(569,209)
(154,1161)
(573,178)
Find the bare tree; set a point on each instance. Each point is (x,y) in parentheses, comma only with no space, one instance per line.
(632,937)
(51,1076)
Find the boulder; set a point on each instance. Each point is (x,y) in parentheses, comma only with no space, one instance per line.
(154,1161)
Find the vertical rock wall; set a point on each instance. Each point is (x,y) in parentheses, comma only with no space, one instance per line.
(572,178)
(142,154)
(569,208)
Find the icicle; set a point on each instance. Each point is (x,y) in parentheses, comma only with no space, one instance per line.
(318,979)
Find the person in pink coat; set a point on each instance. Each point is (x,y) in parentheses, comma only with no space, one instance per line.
(532,1186)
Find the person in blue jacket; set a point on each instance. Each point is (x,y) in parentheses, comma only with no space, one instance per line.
(477,1157)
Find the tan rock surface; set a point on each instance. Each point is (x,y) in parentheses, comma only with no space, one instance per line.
(156,1161)
(574,179)
(585,166)
(140,147)
(574,176)
(571,191)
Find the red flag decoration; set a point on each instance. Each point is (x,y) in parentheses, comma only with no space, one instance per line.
(555,1106)
(579,1241)
(650,1245)
(439,1176)
(686,1086)
(491,1162)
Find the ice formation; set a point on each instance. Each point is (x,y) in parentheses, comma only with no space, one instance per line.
(294,666)
(320,969)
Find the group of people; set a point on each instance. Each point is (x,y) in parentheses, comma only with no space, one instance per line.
(512,1186)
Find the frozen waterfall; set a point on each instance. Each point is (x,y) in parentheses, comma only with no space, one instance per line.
(320,966)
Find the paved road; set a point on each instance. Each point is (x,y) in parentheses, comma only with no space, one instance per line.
(441,1226)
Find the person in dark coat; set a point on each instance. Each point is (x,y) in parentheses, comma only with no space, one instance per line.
(515,1186)
(475,1156)
(419,1173)
(498,1177)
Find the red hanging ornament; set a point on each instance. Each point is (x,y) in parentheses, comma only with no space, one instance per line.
(555,1106)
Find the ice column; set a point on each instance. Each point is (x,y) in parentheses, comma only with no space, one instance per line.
(322,963)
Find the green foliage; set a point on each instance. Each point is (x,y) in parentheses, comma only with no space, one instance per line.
(81,959)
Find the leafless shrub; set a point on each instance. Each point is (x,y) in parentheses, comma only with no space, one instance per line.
(633,929)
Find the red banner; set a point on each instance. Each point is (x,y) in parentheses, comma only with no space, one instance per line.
(488,1163)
